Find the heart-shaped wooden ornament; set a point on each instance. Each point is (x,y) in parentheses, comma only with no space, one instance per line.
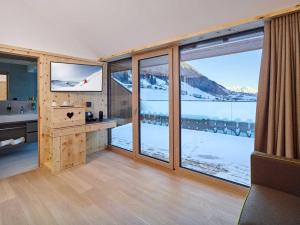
(70,114)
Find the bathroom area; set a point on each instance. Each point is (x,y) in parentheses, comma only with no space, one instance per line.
(18,115)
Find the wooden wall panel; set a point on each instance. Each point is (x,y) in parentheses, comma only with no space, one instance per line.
(95,141)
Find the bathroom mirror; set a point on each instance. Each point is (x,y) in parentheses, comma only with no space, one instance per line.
(18,78)
(18,84)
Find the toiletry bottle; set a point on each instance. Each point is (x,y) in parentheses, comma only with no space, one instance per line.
(33,104)
(8,107)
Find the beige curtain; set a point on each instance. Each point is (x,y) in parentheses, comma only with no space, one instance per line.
(277,129)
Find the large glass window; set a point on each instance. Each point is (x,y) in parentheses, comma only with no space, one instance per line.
(154,107)
(120,95)
(219,81)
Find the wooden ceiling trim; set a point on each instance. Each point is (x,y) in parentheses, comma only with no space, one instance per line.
(27,52)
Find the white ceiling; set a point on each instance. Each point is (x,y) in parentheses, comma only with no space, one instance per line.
(98,28)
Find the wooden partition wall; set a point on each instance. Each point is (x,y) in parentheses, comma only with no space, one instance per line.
(96,140)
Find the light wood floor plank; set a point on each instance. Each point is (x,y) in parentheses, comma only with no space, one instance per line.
(112,189)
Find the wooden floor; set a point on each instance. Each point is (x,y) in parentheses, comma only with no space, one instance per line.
(113,189)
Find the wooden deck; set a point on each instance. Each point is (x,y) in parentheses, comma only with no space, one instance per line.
(113,189)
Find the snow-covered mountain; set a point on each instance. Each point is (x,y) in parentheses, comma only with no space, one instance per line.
(195,79)
(236,88)
(194,85)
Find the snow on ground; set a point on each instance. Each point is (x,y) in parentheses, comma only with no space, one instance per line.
(155,102)
(220,155)
(230,111)
(148,94)
(122,137)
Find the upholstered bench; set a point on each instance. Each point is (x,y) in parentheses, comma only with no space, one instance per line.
(274,196)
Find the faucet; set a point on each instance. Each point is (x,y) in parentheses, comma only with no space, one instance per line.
(22,110)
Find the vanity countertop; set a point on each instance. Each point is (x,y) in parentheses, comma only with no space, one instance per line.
(18,117)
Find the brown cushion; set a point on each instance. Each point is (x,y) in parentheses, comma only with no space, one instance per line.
(266,206)
(276,172)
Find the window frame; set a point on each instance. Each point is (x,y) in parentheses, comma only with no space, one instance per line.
(136,107)
(109,136)
(177,110)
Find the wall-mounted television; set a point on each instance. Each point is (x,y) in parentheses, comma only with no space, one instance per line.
(75,77)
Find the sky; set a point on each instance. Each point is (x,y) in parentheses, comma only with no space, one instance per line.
(240,69)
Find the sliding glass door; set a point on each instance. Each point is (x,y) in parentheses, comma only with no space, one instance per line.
(154,125)
(193,107)
(218,83)
(120,102)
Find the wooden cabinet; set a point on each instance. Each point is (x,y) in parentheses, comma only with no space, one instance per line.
(72,150)
(31,127)
(15,130)
(12,130)
(65,145)
(65,150)
(65,139)
(65,116)
(31,132)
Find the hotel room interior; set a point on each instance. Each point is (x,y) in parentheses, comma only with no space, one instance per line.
(140,112)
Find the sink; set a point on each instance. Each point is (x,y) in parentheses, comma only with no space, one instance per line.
(18,117)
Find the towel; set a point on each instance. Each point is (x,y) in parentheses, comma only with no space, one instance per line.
(18,141)
(12,141)
(6,142)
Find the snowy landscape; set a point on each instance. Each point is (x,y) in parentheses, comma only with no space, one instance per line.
(218,153)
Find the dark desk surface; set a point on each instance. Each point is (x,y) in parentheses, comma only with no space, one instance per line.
(97,121)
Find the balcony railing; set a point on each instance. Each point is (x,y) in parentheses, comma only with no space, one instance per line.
(208,125)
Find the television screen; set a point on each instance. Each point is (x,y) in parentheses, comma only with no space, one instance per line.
(75,77)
